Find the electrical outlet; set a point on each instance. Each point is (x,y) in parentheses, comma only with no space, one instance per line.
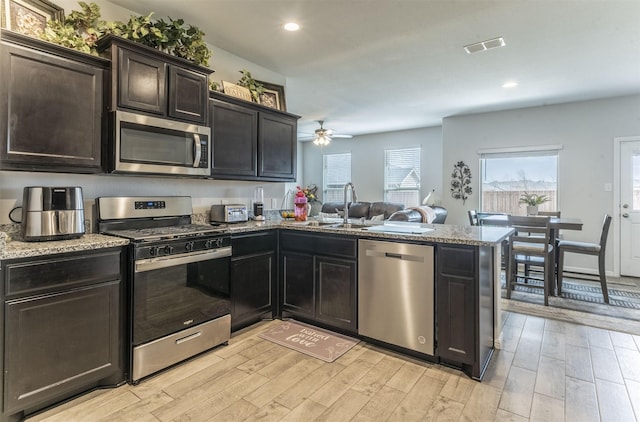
(274,203)
(224,201)
(608,187)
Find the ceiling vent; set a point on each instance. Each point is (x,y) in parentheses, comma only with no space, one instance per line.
(484,45)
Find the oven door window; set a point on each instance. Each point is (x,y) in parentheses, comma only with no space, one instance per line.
(152,145)
(171,299)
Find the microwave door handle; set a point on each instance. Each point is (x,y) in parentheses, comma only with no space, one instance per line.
(197,150)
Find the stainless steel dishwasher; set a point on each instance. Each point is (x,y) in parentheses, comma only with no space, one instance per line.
(396,294)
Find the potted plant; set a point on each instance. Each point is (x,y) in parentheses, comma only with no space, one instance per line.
(532,200)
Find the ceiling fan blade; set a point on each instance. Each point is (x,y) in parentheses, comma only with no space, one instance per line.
(307,138)
(341,136)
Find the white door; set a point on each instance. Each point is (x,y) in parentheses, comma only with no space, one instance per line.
(630,208)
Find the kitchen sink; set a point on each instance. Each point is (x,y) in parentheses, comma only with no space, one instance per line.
(348,226)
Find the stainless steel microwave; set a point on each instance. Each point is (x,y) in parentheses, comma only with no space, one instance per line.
(152,145)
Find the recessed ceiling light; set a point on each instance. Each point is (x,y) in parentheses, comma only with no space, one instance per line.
(510,84)
(291,26)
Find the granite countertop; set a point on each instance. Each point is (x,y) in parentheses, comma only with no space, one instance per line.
(437,233)
(11,249)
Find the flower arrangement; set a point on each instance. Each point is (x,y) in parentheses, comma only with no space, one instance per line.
(310,192)
(533,199)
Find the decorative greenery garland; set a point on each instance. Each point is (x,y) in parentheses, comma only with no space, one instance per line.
(82,29)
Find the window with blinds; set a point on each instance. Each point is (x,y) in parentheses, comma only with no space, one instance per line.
(402,176)
(336,173)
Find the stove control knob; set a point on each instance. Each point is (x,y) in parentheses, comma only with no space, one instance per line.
(189,246)
(219,242)
(209,243)
(168,250)
(154,251)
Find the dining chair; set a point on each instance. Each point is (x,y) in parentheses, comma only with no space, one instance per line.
(558,238)
(597,249)
(473,217)
(530,246)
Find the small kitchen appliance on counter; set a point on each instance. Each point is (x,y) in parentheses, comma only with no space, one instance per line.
(228,213)
(258,204)
(52,213)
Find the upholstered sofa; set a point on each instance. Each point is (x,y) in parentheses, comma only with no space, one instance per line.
(413,215)
(391,211)
(368,210)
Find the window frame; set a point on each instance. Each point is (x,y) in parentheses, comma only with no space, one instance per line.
(520,152)
(416,169)
(326,196)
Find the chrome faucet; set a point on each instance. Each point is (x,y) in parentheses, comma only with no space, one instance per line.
(354,198)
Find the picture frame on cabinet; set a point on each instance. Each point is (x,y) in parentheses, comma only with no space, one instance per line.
(29,17)
(236,91)
(273,96)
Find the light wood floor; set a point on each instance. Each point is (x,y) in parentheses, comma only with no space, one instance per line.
(547,370)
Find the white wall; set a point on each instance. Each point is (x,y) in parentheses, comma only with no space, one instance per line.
(585,129)
(203,192)
(367,160)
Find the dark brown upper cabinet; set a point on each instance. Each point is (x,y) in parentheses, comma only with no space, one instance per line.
(250,141)
(51,106)
(235,147)
(149,81)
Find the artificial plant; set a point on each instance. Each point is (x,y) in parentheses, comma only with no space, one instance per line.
(254,87)
(81,30)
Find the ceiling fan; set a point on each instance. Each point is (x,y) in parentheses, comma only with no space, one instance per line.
(322,136)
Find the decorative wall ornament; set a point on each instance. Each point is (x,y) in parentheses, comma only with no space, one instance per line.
(236,91)
(461,181)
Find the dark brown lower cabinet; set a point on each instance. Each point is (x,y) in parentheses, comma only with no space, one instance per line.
(253,274)
(299,285)
(336,292)
(319,279)
(464,307)
(62,328)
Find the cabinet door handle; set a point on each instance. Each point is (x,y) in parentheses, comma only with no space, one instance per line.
(198,150)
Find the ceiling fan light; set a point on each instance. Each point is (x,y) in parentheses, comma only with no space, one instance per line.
(322,140)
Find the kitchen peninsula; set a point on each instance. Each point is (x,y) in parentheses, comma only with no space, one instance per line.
(467,284)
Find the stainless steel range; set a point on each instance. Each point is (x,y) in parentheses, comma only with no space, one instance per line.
(178,283)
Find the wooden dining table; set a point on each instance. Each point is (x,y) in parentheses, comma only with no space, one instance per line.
(555,224)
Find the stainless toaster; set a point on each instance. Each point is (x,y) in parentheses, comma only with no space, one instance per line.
(228,213)
(52,213)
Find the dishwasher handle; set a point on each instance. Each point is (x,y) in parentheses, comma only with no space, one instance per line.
(394,255)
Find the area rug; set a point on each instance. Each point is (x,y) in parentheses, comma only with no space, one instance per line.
(586,293)
(310,340)
(583,297)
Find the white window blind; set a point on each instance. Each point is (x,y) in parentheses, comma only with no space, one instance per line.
(402,176)
(336,173)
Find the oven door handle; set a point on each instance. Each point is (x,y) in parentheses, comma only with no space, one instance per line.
(171,261)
